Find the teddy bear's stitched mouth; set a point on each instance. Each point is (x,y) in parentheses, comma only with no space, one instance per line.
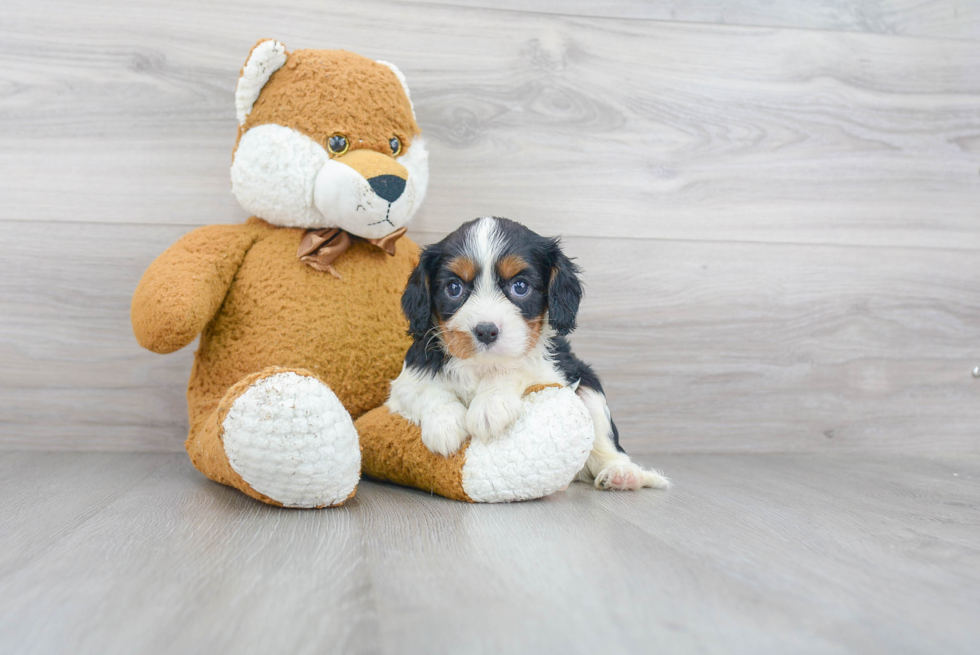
(385,219)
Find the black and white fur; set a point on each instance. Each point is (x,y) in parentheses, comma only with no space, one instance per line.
(478,343)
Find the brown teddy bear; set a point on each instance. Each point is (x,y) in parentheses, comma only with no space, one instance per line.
(298,311)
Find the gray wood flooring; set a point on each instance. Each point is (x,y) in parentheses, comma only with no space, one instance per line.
(955,19)
(721,347)
(125,553)
(776,204)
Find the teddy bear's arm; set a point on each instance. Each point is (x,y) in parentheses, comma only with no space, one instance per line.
(184,287)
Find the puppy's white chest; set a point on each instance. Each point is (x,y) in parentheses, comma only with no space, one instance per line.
(464,384)
(468,380)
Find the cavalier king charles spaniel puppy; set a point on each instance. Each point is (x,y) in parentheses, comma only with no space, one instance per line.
(489,308)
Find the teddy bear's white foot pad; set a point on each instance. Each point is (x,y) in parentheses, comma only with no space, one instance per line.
(290,438)
(540,454)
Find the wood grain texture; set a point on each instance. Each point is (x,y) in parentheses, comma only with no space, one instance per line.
(747,554)
(618,127)
(726,347)
(702,347)
(779,226)
(46,497)
(73,375)
(952,19)
(175,566)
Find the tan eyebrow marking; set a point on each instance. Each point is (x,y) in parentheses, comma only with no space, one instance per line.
(510,266)
(464,267)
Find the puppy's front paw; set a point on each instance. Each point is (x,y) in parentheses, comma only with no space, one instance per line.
(628,477)
(444,429)
(491,414)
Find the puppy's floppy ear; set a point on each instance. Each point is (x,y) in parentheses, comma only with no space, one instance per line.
(416,299)
(564,289)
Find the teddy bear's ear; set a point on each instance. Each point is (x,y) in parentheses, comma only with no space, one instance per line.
(266,57)
(401,78)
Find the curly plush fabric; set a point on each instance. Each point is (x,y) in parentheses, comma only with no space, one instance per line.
(324,92)
(264,307)
(290,438)
(538,456)
(291,353)
(258,307)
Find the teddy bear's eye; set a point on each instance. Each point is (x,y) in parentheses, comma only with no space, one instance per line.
(396,146)
(337,144)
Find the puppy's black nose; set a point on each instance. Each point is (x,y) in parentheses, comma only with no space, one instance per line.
(486,333)
(389,187)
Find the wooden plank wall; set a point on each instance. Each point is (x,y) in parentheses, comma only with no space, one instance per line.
(777,204)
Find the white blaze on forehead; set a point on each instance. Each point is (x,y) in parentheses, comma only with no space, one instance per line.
(483,245)
(488,304)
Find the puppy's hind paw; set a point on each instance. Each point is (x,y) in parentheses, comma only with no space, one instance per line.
(629,477)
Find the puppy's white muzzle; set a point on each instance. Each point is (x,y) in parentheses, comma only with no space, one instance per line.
(485,308)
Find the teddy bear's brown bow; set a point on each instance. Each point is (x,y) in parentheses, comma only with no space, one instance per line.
(319,248)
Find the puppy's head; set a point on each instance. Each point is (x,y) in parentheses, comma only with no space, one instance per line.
(490,290)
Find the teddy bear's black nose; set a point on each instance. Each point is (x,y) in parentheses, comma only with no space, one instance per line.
(389,187)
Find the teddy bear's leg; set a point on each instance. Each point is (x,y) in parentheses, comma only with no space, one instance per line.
(281,436)
(392,450)
(537,456)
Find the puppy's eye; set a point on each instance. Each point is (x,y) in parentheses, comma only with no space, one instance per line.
(337,144)
(395,145)
(520,288)
(454,289)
